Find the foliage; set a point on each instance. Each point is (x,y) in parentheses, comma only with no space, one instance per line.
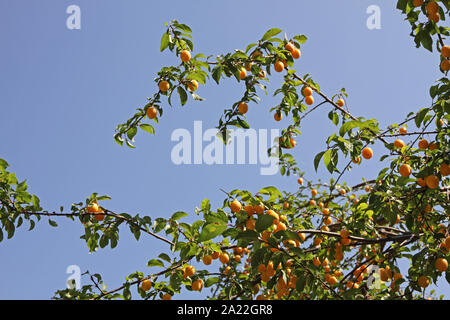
(296,243)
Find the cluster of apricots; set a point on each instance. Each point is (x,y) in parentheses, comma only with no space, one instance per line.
(432,10)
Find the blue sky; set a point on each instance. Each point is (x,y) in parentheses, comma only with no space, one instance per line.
(63,92)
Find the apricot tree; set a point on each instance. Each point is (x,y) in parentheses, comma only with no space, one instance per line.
(321,241)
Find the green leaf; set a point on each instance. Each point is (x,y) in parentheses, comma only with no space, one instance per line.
(317,159)
(211,231)
(216,73)
(300,38)
(329,158)
(247,235)
(211,281)
(427,41)
(264,221)
(182,27)
(205,206)
(401,5)
(147,127)
(178,215)
(301,283)
(183,95)
(164,257)
(165,40)
(420,116)
(155,263)
(131,132)
(258,256)
(127,292)
(118,139)
(52,223)
(349,125)
(270,33)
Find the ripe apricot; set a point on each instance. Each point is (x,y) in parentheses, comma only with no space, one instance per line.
(417,3)
(432,181)
(313,192)
(235,206)
(250,224)
(445,65)
(279,66)
(432,7)
(403,130)
(421,182)
(399,143)
(344,233)
(444,169)
(423,144)
(340,102)
(312,202)
(243,108)
(189,271)
(316,262)
(185,56)
(207,260)
(243,73)
(423,281)
(100,217)
(152,112)
(259,209)
(445,51)
(307,91)
(224,257)
(167,296)
(273,214)
(248,66)
(277,116)
(93,208)
(289,46)
(164,86)
(300,180)
(309,100)
(215,255)
(405,170)
(197,285)
(249,209)
(280,227)
(441,264)
(192,85)
(447,242)
(292,142)
(146,285)
(432,146)
(367,153)
(296,53)
(332,280)
(345,241)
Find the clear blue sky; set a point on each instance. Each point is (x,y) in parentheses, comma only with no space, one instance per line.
(63,91)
